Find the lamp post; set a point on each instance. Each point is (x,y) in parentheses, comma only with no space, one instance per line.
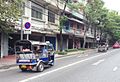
(95,30)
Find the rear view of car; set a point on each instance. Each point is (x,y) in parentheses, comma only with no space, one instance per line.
(116,45)
(102,47)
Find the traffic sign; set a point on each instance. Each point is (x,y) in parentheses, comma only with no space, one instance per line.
(27,25)
(98,38)
(27,31)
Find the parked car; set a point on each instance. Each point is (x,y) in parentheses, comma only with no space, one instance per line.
(102,47)
(116,45)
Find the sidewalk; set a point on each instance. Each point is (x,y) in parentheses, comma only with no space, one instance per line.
(10,60)
(7,62)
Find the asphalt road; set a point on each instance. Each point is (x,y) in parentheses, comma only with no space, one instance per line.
(90,67)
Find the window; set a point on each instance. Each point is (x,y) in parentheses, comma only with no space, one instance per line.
(51,17)
(78,26)
(37,12)
(71,24)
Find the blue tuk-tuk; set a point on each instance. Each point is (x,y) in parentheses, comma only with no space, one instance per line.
(34,55)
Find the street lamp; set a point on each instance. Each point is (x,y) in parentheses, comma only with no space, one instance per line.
(95,29)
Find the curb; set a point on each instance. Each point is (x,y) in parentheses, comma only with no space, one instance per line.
(70,54)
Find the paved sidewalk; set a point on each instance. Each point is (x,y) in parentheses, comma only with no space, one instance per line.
(7,62)
(10,60)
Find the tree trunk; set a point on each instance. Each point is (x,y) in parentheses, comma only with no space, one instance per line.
(61,39)
(84,43)
(94,35)
(61,27)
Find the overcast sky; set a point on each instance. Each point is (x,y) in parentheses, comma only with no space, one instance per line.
(112,4)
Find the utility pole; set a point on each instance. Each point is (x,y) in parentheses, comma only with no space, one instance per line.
(21,34)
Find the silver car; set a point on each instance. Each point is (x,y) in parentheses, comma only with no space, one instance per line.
(103,47)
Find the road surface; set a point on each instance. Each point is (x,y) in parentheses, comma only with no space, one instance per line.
(92,67)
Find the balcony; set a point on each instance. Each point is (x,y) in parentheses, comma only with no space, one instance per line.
(55,3)
(79,33)
(90,35)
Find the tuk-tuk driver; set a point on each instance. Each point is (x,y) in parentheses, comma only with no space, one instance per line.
(41,49)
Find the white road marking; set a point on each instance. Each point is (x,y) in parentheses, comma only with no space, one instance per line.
(98,62)
(79,56)
(115,68)
(65,57)
(61,68)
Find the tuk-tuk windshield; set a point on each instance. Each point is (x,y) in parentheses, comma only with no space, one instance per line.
(101,44)
(23,45)
(28,52)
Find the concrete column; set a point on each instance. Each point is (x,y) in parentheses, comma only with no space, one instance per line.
(67,42)
(46,16)
(43,38)
(56,43)
(88,45)
(73,42)
(4,45)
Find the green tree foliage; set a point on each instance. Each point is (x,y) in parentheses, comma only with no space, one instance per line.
(9,13)
(93,12)
(112,26)
(62,20)
(98,17)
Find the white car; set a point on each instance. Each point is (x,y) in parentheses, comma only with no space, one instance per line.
(103,47)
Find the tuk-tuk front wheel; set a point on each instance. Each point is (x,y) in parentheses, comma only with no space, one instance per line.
(40,67)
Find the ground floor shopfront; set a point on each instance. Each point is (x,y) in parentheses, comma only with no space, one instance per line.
(69,42)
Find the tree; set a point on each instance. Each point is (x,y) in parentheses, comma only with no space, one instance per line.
(91,12)
(9,13)
(62,20)
(112,25)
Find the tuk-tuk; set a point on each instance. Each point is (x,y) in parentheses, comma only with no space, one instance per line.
(34,55)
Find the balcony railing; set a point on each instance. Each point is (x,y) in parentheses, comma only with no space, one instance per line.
(57,3)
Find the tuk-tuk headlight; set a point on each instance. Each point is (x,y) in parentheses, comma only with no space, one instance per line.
(37,59)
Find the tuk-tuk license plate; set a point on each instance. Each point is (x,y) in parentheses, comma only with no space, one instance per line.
(23,66)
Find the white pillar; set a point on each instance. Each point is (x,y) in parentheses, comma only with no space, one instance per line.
(67,42)
(4,45)
(56,43)
(46,17)
(43,38)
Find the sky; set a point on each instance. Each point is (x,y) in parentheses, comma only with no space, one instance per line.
(112,4)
